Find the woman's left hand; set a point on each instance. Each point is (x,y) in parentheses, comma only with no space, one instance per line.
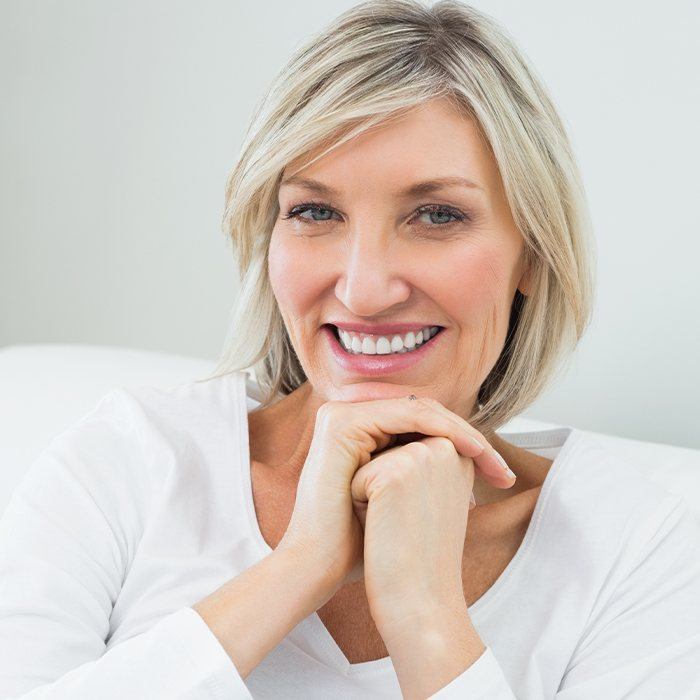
(413,503)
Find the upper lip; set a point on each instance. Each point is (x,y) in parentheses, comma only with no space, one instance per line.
(381,328)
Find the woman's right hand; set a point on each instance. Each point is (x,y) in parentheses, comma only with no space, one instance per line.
(324,529)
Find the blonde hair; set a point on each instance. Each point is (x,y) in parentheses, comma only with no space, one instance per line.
(374,61)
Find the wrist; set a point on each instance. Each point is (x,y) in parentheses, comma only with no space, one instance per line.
(311,578)
(409,610)
(431,647)
(431,630)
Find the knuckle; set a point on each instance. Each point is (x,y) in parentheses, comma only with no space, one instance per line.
(427,402)
(476,434)
(329,412)
(445,445)
(419,449)
(406,463)
(440,446)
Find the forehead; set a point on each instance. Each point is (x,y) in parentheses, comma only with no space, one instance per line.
(429,141)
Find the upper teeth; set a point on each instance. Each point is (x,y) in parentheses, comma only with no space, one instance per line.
(385,344)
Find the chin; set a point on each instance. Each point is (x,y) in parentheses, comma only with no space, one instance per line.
(371,390)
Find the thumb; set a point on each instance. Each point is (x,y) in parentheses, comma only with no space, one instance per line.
(358,491)
(361,486)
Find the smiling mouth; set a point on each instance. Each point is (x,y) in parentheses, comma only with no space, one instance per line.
(402,351)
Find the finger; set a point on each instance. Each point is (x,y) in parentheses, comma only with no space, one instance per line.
(490,462)
(360,484)
(490,459)
(365,478)
(385,419)
(380,419)
(486,458)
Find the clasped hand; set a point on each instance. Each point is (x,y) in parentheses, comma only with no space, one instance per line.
(413,504)
(368,506)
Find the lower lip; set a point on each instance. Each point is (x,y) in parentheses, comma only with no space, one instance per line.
(373,365)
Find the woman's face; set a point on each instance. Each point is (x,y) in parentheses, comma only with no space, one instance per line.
(375,249)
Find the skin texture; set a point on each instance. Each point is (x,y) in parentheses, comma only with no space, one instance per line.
(367,254)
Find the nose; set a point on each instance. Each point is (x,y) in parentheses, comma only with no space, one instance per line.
(374,275)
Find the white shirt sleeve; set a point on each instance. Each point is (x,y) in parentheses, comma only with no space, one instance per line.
(483,680)
(66,539)
(643,640)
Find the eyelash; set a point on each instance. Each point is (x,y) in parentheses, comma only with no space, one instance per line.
(298,209)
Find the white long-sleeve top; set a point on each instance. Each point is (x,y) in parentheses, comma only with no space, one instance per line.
(144,507)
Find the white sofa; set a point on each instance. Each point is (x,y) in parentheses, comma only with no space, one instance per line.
(44,388)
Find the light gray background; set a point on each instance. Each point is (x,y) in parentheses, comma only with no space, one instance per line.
(120,121)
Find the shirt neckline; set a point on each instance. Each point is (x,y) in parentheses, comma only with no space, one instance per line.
(565,436)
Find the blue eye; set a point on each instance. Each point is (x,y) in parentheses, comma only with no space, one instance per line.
(326,212)
(444,211)
(296,211)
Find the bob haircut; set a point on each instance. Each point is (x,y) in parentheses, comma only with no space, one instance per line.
(374,61)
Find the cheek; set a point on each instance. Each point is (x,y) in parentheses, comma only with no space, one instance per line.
(472,282)
(291,271)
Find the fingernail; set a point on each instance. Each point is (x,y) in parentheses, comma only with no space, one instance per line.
(509,473)
(472,501)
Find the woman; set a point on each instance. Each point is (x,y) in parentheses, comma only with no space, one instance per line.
(411,235)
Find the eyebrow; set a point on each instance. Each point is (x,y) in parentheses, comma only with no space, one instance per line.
(418,188)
